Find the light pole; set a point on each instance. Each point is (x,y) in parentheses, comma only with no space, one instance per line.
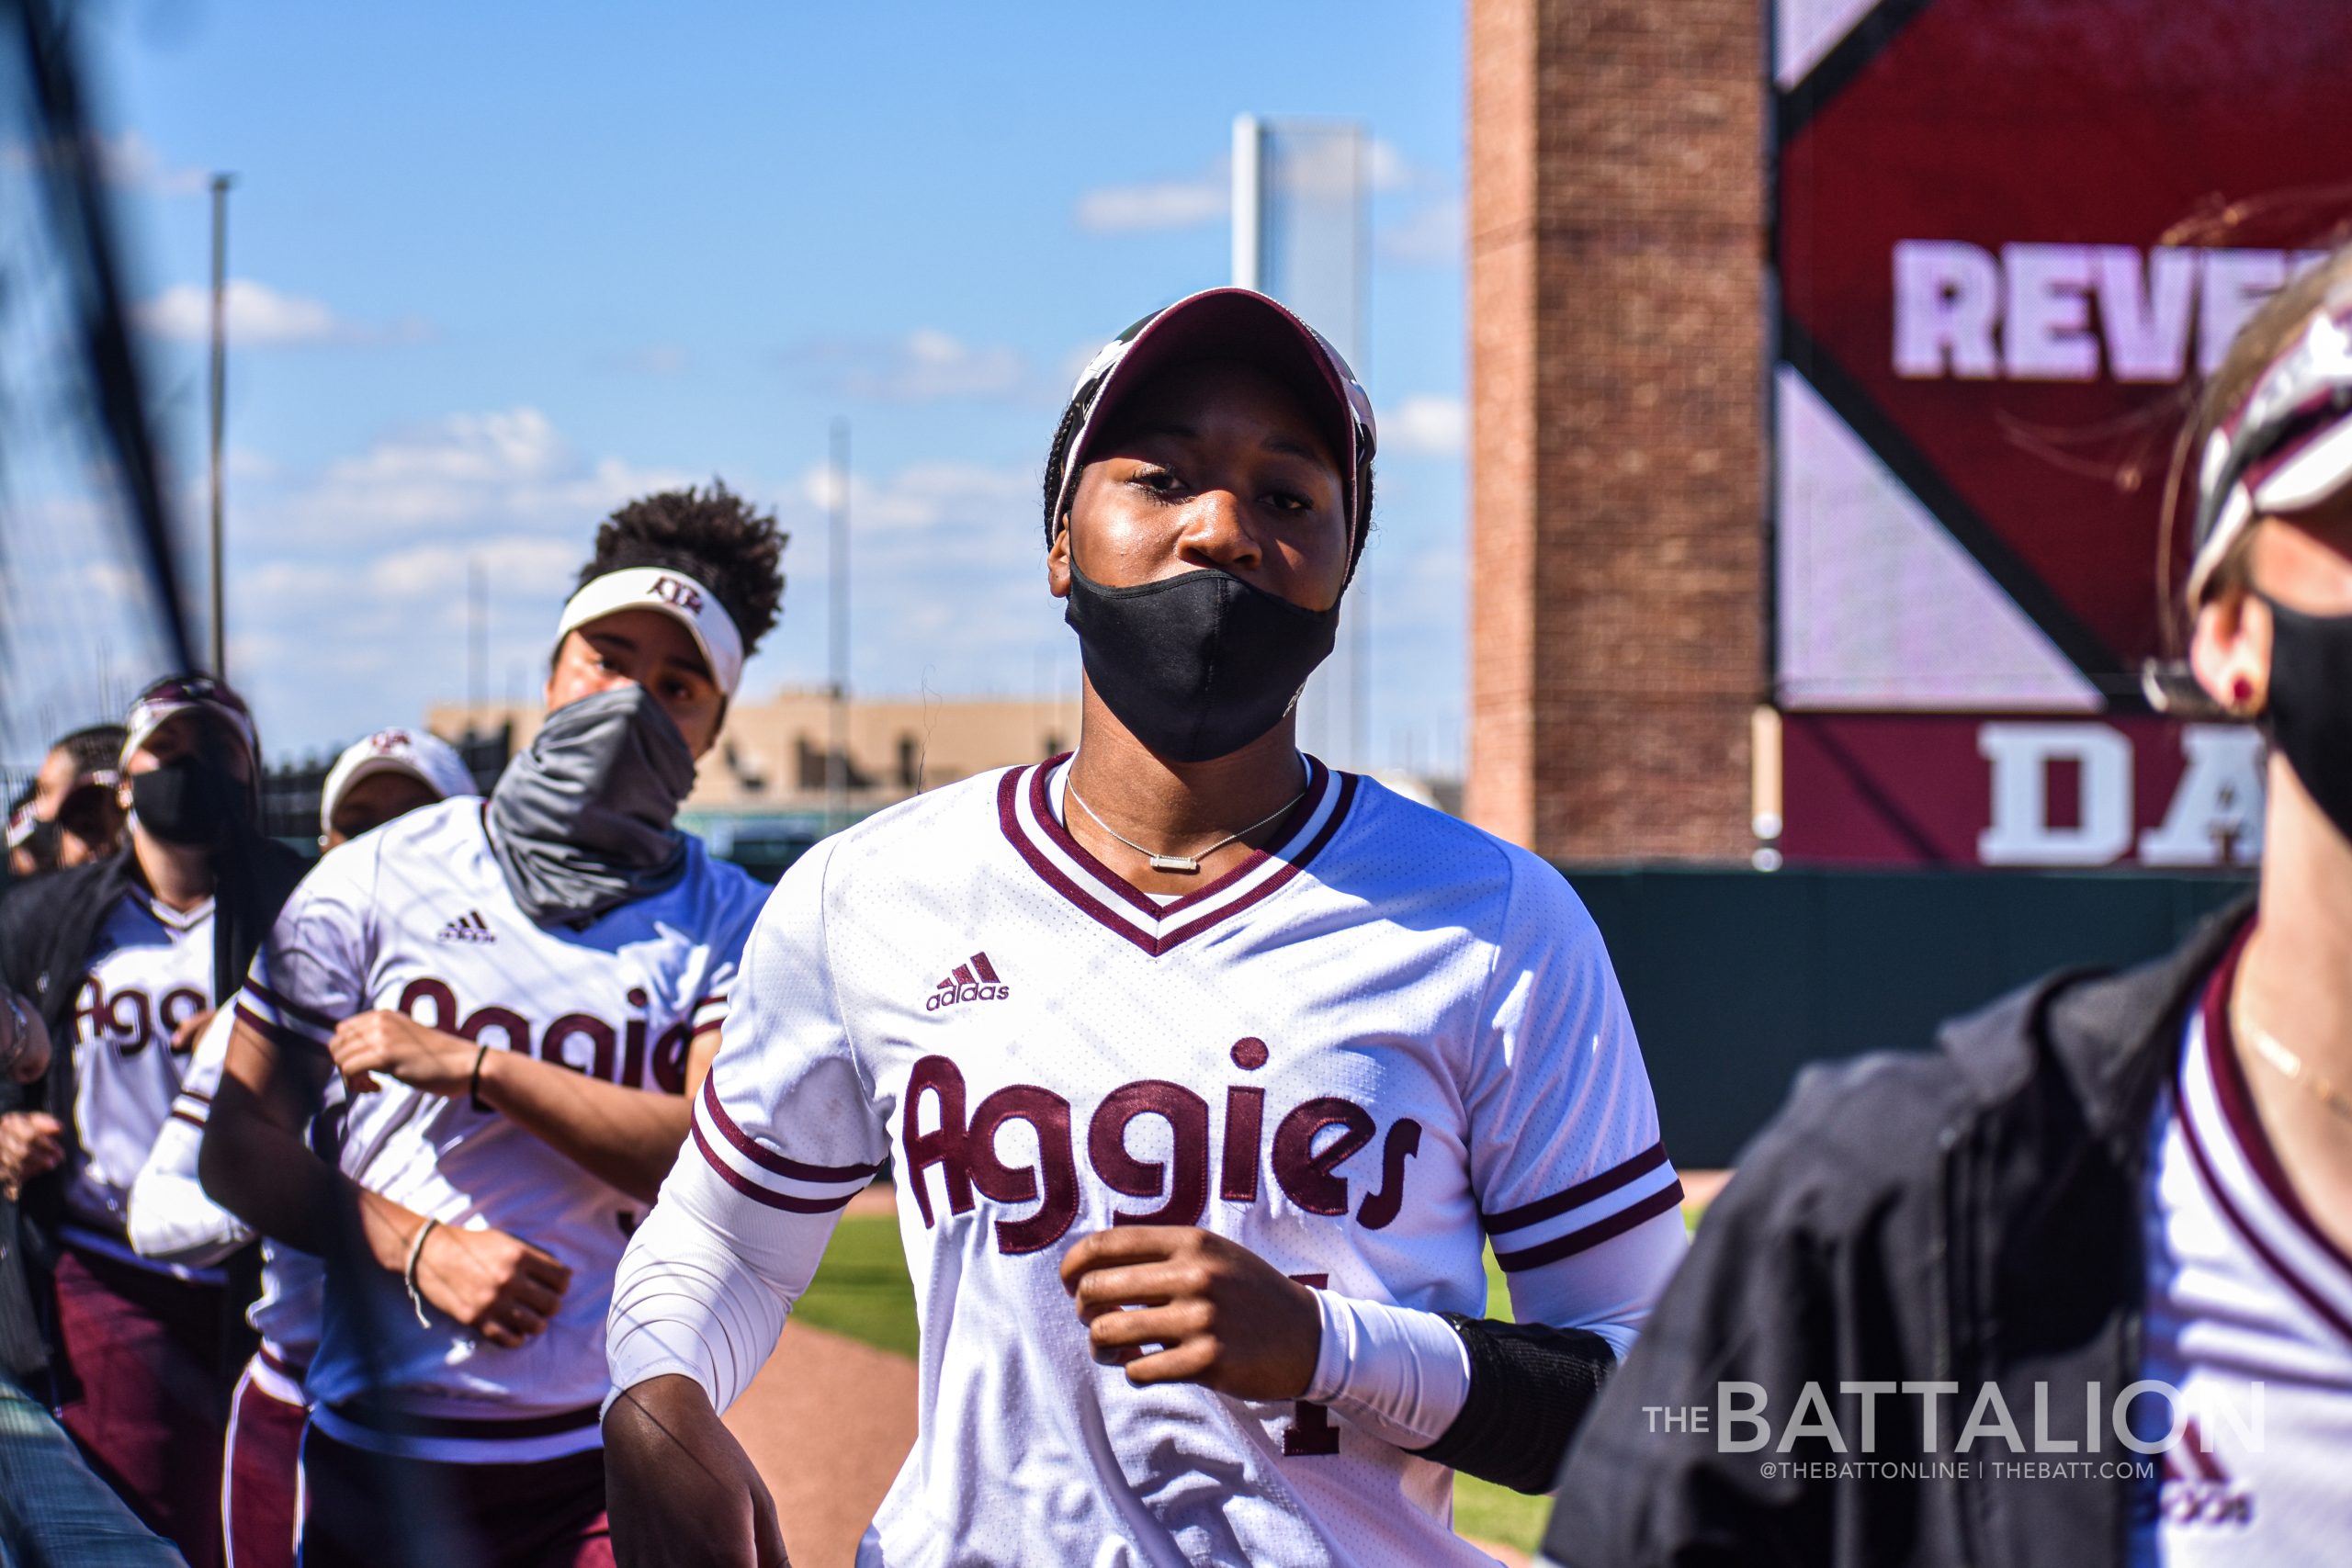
(219,413)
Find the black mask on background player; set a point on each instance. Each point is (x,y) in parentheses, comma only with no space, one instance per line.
(2310,712)
(190,801)
(581,821)
(1199,665)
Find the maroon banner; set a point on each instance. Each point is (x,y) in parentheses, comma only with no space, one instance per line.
(2020,790)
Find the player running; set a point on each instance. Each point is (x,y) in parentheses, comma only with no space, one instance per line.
(171,1221)
(1207,1072)
(523,989)
(125,957)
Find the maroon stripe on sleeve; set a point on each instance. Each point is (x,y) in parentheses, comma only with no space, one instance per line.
(277,1033)
(1592,1235)
(756,1192)
(292,1009)
(1583,1192)
(767,1159)
(189,1117)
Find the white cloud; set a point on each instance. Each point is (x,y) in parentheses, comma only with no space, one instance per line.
(1430,425)
(654,359)
(1307,165)
(1432,235)
(131,161)
(468,472)
(518,564)
(925,366)
(259,316)
(1191,203)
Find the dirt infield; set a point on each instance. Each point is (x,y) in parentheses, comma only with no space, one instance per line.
(827,1421)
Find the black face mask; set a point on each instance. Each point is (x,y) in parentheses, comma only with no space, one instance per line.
(2310,713)
(1200,665)
(42,843)
(189,801)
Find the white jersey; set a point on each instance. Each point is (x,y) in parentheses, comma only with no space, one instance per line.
(1358,1056)
(150,972)
(416,917)
(2249,1315)
(174,1222)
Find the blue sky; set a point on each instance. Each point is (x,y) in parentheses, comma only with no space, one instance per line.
(501,267)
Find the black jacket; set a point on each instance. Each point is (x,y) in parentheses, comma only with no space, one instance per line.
(48,927)
(1970,1216)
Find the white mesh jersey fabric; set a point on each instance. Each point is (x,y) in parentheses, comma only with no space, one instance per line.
(1359,1056)
(2249,1321)
(152,972)
(416,917)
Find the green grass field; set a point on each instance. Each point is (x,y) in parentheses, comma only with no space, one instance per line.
(862,1290)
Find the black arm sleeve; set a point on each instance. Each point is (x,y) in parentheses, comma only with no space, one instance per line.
(1529,1387)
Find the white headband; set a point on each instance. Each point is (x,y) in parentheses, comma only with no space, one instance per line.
(674,594)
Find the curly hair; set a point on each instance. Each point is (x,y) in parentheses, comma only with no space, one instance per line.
(96,749)
(714,536)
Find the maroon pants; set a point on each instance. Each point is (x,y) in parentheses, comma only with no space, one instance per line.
(146,1350)
(371,1511)
(260,1490)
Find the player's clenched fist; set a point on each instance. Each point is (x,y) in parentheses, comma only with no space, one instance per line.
(398,1046)
(503,1289)
(678,1489)
(1174,1303)
(29,1146)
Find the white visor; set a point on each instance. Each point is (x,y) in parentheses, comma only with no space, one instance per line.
(412,752)
(674,594)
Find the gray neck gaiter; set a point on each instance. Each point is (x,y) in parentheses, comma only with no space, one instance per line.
(581,821)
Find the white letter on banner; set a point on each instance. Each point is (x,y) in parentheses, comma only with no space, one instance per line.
(1947,297)
(2235,285)
(2020,833)
(2145,311)
(2218,801)
(2047,335)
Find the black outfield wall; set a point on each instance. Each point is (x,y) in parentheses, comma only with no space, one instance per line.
(1736,979)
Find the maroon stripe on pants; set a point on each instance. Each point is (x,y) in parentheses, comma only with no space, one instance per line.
(371,1510)
(258,1493)
(146,1350)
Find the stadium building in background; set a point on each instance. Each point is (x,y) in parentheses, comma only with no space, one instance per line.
(1827,363)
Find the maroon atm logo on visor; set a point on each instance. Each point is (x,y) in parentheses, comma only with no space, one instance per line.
(672,590)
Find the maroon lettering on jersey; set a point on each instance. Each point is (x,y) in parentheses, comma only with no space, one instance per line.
(127,1017)
(1403,1142)
(512,1028)
(180,1006)
(946,1145)
(1310,1434)
(580,1026)
(1305,1172)
(1187,1115)
(438,992)
(1245,1121)
(669,1061)
(1049,1113)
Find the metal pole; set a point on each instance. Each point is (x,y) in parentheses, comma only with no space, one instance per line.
(837,747)
(1248,201)
(219,413)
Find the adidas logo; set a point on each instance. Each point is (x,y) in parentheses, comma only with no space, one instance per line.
(973,981)
(467,927)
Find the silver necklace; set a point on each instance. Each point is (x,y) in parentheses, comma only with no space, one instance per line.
(1187,864)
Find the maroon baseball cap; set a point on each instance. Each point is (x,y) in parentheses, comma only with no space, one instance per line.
(1222,323)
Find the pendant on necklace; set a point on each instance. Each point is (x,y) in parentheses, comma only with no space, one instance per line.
(1175,863)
